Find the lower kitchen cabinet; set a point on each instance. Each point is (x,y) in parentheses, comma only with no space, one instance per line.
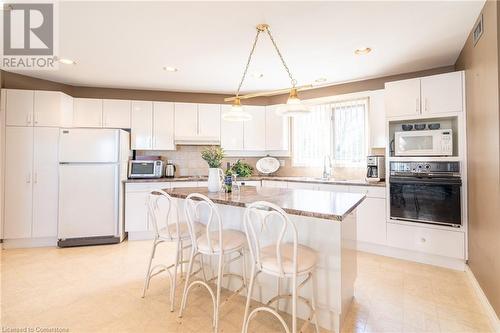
(274,183)
(371,218)
(31,206)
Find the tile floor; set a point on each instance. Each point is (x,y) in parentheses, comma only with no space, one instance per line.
(97,289)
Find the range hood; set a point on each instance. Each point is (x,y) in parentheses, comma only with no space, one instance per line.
(197,140)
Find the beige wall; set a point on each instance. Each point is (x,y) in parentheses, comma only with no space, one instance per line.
(481,65)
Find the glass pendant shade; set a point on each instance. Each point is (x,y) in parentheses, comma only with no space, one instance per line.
(237,113)
(293,107)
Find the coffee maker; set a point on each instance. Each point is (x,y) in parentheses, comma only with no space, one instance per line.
(375,167)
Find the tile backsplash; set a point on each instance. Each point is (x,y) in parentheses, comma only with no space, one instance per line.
(188,162)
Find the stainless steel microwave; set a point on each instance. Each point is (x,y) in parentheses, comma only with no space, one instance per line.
(424,143)
(145,169)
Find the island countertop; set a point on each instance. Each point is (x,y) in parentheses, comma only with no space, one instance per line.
(318,204)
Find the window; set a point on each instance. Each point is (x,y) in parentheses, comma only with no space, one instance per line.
(336,129)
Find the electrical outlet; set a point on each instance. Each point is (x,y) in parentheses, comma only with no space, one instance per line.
(282,163)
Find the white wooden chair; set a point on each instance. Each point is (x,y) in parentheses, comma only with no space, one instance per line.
(284,260)
(167,228)
(214,242)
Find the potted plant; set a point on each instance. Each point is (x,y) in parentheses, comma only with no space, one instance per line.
(213,155)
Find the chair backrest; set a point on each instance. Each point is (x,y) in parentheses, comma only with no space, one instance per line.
(200,209)
(259,214)
(163,212)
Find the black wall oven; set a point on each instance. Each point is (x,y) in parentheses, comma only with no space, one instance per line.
(426,192)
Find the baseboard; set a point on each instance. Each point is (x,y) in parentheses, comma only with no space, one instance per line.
(423,258)
(29,242)
(495,321)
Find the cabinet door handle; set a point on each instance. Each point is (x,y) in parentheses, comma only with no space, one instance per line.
(28,119)
(28,178)
(423,240)
(425,105)
(35,178)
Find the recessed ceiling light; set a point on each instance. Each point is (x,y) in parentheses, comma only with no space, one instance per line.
(321,79)
(170,69)
(363,50)
(67,61)
(258,75)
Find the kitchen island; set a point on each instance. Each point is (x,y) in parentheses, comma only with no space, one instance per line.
(325,221)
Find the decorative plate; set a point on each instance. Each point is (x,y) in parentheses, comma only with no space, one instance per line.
(267,165)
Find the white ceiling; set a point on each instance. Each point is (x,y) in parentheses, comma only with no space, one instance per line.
(126,44)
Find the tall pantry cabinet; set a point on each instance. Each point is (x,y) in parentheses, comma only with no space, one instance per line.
(31,140)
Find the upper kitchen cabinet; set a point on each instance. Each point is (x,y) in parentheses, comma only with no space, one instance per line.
(19,107)
(87,112)
(197,123)
(402,98)
(277,130)
(38,108)
(209,121)
(442,93)
(186,120)
(116,113)
(163,126)
(141,125)
(52,109)
(231,132)
(426,96)
(254,130)
(376,116)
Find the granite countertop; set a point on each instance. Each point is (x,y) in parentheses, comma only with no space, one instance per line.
(318,204)
(355,182)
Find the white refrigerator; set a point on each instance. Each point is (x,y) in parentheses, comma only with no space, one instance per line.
(92,166)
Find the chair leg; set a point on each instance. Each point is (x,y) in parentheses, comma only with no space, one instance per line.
(219,282)
(313,302)
(294,303)
(184,294)
(148,272)
(244,270)
(278,292)
(173,287)
(202,263)
(249,297)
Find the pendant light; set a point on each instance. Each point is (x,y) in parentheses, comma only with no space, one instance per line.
(237,113)
(294,105)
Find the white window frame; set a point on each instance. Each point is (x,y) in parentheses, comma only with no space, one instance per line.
(336,162)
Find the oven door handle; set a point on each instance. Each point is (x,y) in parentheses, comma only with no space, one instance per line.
(426,181)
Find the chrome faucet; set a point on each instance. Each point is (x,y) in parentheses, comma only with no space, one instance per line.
(327,170)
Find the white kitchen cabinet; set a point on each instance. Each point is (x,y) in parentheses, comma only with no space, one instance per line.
(376,118)
(116,113)
(333,188)
(38,108)
(402,98)
(255,130)
(371,221)
(186,121)
(87,112)
(209,121)
(302,186)
(136,205)
(19,107)
(31,181)
(432,241)
(163,126)
(277,130)
(45,182)
(231,132)
(141,121)
(18,182)
(442,93)
(183,184)
(52,109)
(274,183)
